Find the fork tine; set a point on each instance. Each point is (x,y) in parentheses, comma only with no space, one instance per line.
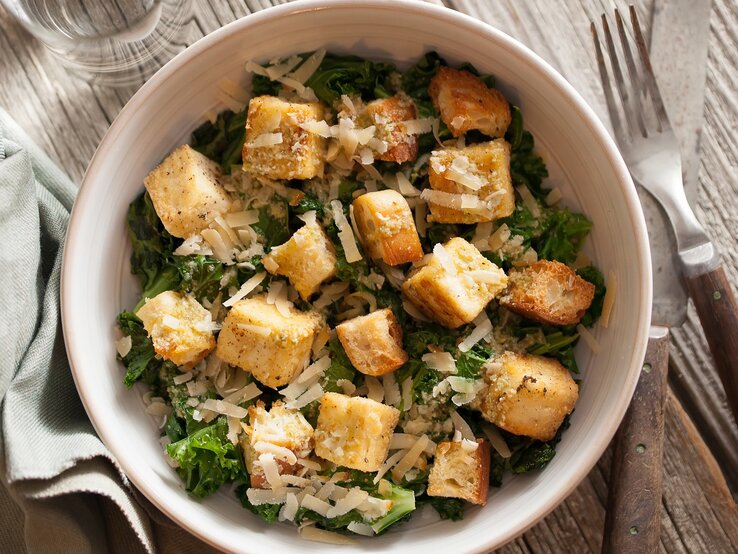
(633,72)
(618,77)
(648,75)
(617,125)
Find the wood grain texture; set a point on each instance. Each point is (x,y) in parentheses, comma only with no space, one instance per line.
(633,523)
(717,310)
(68,117)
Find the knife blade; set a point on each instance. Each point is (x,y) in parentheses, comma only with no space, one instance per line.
(678,51)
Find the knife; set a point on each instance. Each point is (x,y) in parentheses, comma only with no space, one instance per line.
(678,51)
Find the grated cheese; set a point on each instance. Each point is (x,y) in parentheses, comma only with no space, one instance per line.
(291,506)
(376,390)
(258,497)
(496,440)
(319,535)
(345,233)
(241,219)
(265,140)
(245,289)
(499,237)
(263,447)
(353,499)
(225,408)
(183,378)
(417,126)
(483,327)
(421,212)
(255,329)
(553,197)
(244,394)
(123,345)
(320,128)
(404,441)
(407,394)
(414,312)
(316,369)
(347,386)
(220,249)
(315,504)
(409,459)
(609,301)
(406,188)
(444,258)
(392,394)
(308,67)
(529,201)
(360,529)
(440,361)
(388,464)
(462,426)
(311,395)
(589,338)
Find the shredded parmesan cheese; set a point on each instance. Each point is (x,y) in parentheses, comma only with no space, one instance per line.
(409,459)
(345,233)
(225,408)
(482,329)
(609,301)
(123,346)
(589,338)
(440,361)
(462,426)
(245,289)
(376,390)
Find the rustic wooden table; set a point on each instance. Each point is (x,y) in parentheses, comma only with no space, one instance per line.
(68,117)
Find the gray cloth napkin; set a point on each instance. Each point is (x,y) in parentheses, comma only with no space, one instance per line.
(60,488)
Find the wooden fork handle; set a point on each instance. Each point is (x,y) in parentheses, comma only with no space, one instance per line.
(718,312)
(633,519)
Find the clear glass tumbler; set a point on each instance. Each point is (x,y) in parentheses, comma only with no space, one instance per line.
(111,42)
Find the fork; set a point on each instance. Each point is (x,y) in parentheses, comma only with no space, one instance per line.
(650,149)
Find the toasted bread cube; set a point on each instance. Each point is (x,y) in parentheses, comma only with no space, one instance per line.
(466,103)
(387,115)
(354,431)
(373,342)
(180,328)
(307,259)
(257,338)
(528,395)
(489,194)
(186,191)
(459,471)
(548,292)
(278,427)
(455,285)
(294,153)
(386,227)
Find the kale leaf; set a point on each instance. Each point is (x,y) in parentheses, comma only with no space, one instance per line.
(447,508)
(267,512)
(152,248)
(200,276)
(469,364)
(222,141)
(273,223)
(535,456)
(416,80)
(207,459)
(528,168)
(564,236)
(350,75)
(594,276)
(340,368)
(514,134)
(261,85)
(140,360)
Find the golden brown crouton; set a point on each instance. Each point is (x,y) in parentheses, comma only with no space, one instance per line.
(386,114)
(461,471)
(307,259)
(272,347)
(373,342)
(466,103)
(186,192)
(277,427)
(474,183)
(455,285)
(386,227)
(548,292)
(528,395)
(287,150)
(353,431)
(180,328)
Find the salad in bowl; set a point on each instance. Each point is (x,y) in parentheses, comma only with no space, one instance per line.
(358,295)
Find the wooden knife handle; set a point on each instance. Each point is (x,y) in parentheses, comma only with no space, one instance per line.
(718,312)
(633,520)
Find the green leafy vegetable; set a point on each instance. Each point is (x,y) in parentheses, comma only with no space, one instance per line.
(152,247)
(416,80)
(526,167)
(207,459)
(594,276)
(140,359)
(223,140)
(352,76)
(447,508)
(273,223)
(309,202)
(535,456)
(261,85)
(267,512)
(514,133)
(469,364)
(338,523)
(340,368)
(200,276)
(564,236)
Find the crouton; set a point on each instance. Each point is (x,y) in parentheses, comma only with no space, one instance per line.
(473,184)
(257,338)
(548,292)
(387,115)
(528,395)
(455,285)
(466,103)
(386,227)
(277,427)
(187,192)
(180,328)
(461,471)
(353,431)
(307,259)
(373,342)
(276,146)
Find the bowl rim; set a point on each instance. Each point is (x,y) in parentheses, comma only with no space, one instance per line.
(595,447)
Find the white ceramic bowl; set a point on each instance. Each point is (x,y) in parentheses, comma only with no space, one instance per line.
(582,159)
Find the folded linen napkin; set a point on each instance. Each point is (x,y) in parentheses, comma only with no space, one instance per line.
(71,495)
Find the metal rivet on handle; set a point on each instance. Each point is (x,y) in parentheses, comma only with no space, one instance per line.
(717,295)
(640,448)
(633,530)
(647,368)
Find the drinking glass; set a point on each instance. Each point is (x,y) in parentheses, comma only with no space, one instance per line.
(112,42)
